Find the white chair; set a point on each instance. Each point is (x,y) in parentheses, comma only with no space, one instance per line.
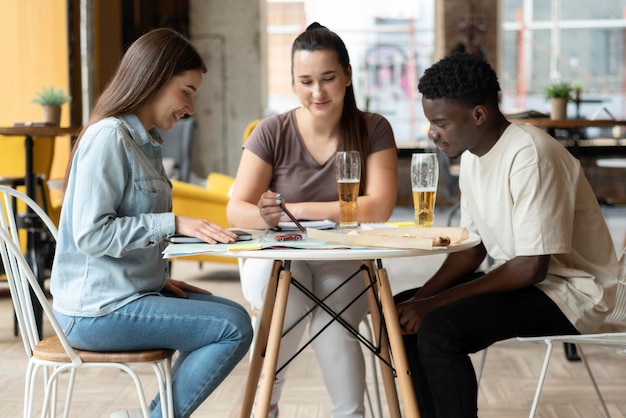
(609,339)
(54,355)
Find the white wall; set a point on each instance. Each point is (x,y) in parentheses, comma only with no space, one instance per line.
(230,35)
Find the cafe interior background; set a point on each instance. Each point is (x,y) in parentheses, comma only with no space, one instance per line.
(76,44)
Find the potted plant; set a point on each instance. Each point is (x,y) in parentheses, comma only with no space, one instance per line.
(51,99)
(559,94)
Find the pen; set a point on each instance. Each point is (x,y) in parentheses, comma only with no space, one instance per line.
(293,218)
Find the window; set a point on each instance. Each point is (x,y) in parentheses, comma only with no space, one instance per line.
(390,44)
(577,41)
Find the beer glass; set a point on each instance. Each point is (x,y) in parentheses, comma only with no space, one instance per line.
(348,168)
(424,178)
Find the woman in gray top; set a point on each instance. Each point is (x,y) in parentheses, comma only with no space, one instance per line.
(289,159)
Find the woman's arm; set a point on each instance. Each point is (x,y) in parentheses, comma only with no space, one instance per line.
(252,181)
(252,206)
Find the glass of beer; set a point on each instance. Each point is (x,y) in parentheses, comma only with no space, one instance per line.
(348,168)
(424,178)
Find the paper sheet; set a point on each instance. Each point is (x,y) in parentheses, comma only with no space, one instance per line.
(268,242)
(401,237)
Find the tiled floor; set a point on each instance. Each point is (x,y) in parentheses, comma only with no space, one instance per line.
(506,390)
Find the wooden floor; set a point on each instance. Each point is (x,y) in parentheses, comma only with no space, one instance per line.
(506,390)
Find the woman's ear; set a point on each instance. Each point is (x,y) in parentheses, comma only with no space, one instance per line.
(349,73)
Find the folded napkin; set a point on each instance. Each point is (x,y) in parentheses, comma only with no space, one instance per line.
(404,237)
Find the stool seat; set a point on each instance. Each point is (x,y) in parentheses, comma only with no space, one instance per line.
(51,349)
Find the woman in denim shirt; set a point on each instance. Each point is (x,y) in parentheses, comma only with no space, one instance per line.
(110,284)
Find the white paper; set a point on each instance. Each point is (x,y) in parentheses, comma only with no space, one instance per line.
(323,224)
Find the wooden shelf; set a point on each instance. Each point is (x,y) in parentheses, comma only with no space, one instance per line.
(569,123)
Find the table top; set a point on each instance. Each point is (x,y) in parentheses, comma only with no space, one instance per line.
(357,253)
(38,130)
(569,123)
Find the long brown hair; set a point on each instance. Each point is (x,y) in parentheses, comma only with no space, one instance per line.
(148,64)
(353,129)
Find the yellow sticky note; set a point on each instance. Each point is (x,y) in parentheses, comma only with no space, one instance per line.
(245,246)
(401,223)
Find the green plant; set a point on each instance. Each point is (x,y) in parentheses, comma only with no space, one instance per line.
(561,89)
(51,96)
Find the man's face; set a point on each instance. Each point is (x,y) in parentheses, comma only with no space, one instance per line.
(452,126)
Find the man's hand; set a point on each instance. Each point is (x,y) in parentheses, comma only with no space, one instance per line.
(179,288)
(411,313)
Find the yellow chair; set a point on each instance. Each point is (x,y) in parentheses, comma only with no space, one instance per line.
(249,128)
(204,202)
(207,202)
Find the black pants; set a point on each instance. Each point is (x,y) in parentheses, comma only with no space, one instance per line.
(443,374)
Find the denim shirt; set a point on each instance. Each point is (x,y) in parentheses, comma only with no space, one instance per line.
(115,217)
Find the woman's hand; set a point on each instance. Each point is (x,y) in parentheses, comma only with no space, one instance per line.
(269,208)
(203,229)
(179,288)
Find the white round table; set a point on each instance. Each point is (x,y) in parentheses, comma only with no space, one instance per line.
(265,355)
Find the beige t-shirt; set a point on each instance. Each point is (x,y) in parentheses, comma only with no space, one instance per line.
(277,141)
(529,196)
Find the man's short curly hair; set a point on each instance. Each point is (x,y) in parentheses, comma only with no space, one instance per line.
(461,77)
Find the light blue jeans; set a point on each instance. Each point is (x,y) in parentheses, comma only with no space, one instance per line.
(211,333)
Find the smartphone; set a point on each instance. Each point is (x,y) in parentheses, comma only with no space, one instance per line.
(184,239)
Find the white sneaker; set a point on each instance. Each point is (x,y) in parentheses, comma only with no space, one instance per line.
(129,413)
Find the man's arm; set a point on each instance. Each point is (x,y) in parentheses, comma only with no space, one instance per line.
(455,266)
(517,273)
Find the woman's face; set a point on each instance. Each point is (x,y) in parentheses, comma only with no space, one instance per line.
(320,82)
(173,101)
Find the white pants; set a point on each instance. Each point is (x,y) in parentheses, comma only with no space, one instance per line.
(338,352)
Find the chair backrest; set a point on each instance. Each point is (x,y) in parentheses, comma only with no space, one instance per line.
(178,146)
(618,315)
(220,183)
(249,128)
(20,276)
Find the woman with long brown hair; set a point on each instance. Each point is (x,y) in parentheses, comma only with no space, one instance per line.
(110,284)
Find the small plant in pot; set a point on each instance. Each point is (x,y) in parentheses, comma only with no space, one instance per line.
(51,99)
(559,94)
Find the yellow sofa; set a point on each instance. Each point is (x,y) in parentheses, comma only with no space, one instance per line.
(204,202)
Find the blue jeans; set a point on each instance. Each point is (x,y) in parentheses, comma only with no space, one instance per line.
(443,375)
(211,334)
